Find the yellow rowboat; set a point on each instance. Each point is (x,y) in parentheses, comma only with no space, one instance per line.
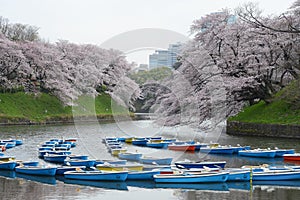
(116,152)
(7,158)
(127,167)
(129,140)
(156,140)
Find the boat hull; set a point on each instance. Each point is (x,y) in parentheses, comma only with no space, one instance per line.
(262,154)
(97,176)
(292,157)
(188,165)
(276,176)
(130,156)
(119,167)
(204,178)
(142,175)
(217,150)
(182,147)
(239,176)
(78,162)
(157,161)
(10,165)
(49,171)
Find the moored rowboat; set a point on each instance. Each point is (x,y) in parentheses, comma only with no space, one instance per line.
(210,177)
(293,157)
(112,167)
(258,153)
(210,164)
(182,147)
(97,175)
(41,171)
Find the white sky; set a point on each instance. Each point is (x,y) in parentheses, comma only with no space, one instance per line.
(96,21)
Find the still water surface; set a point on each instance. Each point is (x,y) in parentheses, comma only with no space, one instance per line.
(18,186)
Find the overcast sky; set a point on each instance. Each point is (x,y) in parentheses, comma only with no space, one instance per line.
(96,21)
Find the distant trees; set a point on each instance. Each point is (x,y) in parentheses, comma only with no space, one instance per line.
(63,69)
(232,60)
(18,32)
(156,74)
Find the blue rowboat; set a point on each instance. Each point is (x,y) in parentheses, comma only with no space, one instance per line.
(18,142)
(28,163)
(55,158)
(61,149)
(45,148)
(63,169)
(210,177)
(48,145)
(161,168)
(42,153)
(240,148)
(130,156)
(111,162)
(73,144)
(8,144)
(81,157)
(156,161)
(210,164)
(97,175)
(158,145)
(9,165)
(79,162)
(121,139)
(281,152)
(67,146)
(59,141)
(217,150)
(142,175)
(258,153)
(239,175)
(60,152)
(276,175)
(153,138)
(51,142)
(41,171)
(140,142)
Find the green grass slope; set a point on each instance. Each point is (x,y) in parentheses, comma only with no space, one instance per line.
(284,109)
(39,108)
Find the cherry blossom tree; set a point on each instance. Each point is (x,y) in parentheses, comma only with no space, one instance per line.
(228,63)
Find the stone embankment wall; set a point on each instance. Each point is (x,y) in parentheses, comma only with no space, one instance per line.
(264,130)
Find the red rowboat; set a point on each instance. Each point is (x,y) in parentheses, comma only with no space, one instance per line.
(182,147)
(295,156)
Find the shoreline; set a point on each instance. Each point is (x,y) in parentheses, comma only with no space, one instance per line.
(263,130)
(63,120)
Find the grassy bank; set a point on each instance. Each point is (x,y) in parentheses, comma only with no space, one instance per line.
(284,109)
(21,107)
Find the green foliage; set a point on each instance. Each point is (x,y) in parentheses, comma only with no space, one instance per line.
(156,74)
(20,106)
(284,109)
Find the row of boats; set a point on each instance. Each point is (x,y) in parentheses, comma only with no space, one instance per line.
(10,143)
(115,146)
(81,168)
